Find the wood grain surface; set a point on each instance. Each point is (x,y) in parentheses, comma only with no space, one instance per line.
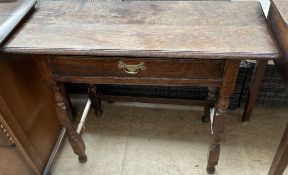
(282,6)
(79,66)
(204,29)
(27,106)
(11,156)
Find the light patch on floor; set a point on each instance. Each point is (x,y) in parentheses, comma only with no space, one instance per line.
(130,139)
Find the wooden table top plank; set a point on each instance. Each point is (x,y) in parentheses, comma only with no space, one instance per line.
(171,29)
(158,13)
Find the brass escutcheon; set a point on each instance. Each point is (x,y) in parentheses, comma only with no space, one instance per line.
(131,69)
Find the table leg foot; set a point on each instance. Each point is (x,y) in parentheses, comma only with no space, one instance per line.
(83,159)
(77,144)
(210,169)
(205,119)
(213,155)
(98,112)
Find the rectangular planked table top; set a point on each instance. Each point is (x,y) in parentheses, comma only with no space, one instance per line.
(212,30)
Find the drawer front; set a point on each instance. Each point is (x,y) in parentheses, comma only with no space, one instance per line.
(137,67)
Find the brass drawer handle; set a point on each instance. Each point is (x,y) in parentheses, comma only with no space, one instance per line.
(131,69)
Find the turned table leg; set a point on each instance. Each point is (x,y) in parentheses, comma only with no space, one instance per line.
(95,99)
(62,112)
(70,108)
(226,90)
(258,75)
(210,103)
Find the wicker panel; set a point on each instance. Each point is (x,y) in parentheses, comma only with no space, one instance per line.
(272,89)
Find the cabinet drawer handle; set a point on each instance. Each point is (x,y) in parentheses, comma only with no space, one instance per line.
(131,69)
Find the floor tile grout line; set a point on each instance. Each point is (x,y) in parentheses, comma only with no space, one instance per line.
(126,144)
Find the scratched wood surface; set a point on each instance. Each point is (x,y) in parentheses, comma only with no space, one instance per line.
(282,6)
(155,29)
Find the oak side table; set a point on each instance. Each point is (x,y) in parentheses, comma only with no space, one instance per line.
(145,43)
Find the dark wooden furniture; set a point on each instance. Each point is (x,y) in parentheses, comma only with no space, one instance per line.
(29,126)
(9,154)
(144,43)
(26,104)
(257,77)
(278,22)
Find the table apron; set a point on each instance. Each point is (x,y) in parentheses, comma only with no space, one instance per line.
(137,71)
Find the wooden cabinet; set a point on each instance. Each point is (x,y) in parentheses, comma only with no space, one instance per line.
(29,126)
(11,160)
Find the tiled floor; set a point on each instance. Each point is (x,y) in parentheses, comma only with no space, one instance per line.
(133,139)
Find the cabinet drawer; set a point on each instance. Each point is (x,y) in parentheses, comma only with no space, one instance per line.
(137,67)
